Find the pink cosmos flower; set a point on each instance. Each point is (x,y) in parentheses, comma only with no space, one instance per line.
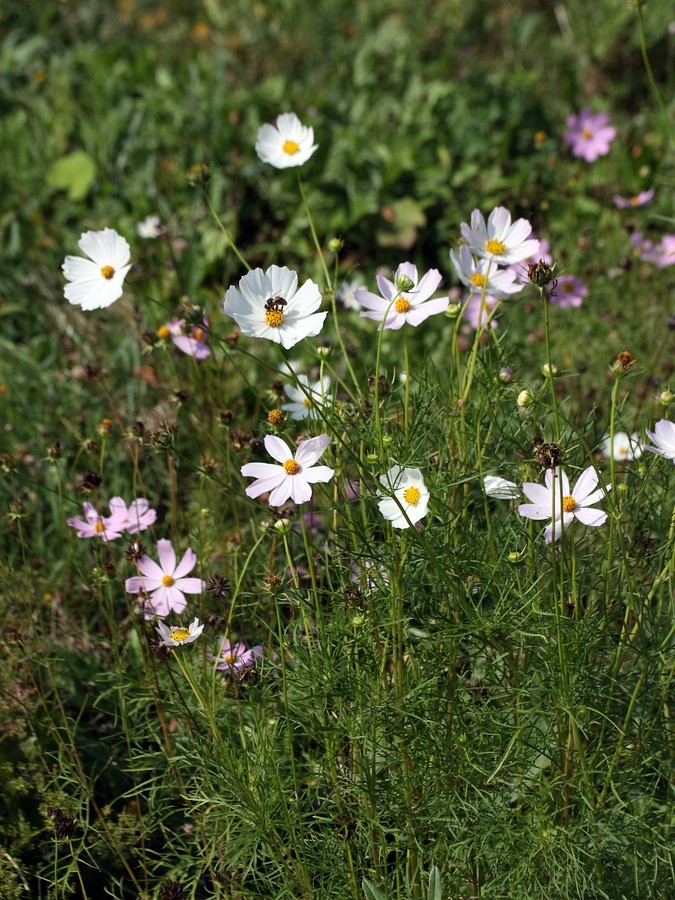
(499,240)
(569,291)
(235,658)
(665,251)
(589,135)
(294,477)
(406,299)
(165,583)
(193,343)
(95,525)
(644,247)
(137,517)
(641,199)
(472,311)
(576,504)
(663,437)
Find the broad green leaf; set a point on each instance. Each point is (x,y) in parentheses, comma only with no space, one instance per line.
(74,173)
(434,891)
(371,892)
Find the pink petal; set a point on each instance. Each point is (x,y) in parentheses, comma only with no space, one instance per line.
(150,569)
(167,557)
(189,585)
(186,564)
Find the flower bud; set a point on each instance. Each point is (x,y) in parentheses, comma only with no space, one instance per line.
(524,398)
(453,310)
(404,283)
(549,371)
(666,398)
(335,244)
(372,457)
(505,375)
(515,557)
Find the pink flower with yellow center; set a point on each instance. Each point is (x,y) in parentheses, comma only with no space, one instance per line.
(589,134)
(165,584)
(403,300)
(95,525)
(233,658)
(295,475)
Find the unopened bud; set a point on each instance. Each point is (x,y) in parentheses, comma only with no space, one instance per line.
(505,375)
(666,398)
(404,283)
(453,310)
(335,244)
(548,371)
(524,398)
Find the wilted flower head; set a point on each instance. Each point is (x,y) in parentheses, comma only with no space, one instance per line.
(589,134)
(576,504)
(98,281)
(285,144)
(269,305)
(177,635)
(405,300)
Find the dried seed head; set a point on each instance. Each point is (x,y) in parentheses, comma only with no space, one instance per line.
(540,274)
(548,455)
(622,364)
(90,481)
(64,825)
(171,890)
(218,586)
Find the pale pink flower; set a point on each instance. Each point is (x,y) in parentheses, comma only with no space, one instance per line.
(589,135)
(576,504)
(137,517)
(234,658)
(665,251)
(663,437)
(472,311)
(95,525)
(405,300)
(295,474)
(566,291)
(193,343)
(165,583)
(641,199)
(499,240)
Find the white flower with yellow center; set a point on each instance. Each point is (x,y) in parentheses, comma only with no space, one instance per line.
(406,497)
(483,275)
(97,282)
(555,501)
(177,635)
(405,299)
(285,144)
(295,474)
(500,240)
(626,448)
(663,438)
(307,400)
(269,305)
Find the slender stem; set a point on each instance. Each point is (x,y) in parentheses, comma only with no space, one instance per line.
(228,236)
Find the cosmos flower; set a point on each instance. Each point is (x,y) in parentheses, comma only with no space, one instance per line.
(269,305)
(95,525)
(482,274)
(193,343)
(295,474)
(500,488)
(472,311)
(150,227)
(97,282)
(285,144)
(663,437)
(665,251)
(235,658)
(566,291)
(499,240)
(626,449)
(305,404)
(589,135)
(406,498)
(137,517)
(641,199)
(406,299)
(576,504)
(347,291)
(177,635)
(165,583)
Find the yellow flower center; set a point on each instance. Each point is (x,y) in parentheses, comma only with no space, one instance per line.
(197,335)
(274,317)
(291,467)
(569,504)
(586,134)
(99,527)
(107,272)
(635,201)
(411,496)
(167,581)
(275,417)
(308,403)
(290,147)
(163,332)
(568,288)
(622,451)
(230,657)
(179,634)
(402,305)
(478,280)
(495,247)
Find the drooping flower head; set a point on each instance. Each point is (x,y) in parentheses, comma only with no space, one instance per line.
(663,438)
(577,504)
(295,474)
(589,135)
(177,635)
(499,240)
(235,658)
(406,498)
(97,282)
(269,305)
(165,583)
(405,299)
(285,144)
(305,404)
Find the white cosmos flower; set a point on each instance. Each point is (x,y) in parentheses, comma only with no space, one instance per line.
(500,488)
(502,242)
(407,498)
(346,293)
(269,305)
(177,635)
(483,274)
(576,504)
(664,438)
(306,403)
(295,474)
(626,448)
(285,144)
(406,299)
(150,227)
(97,282)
